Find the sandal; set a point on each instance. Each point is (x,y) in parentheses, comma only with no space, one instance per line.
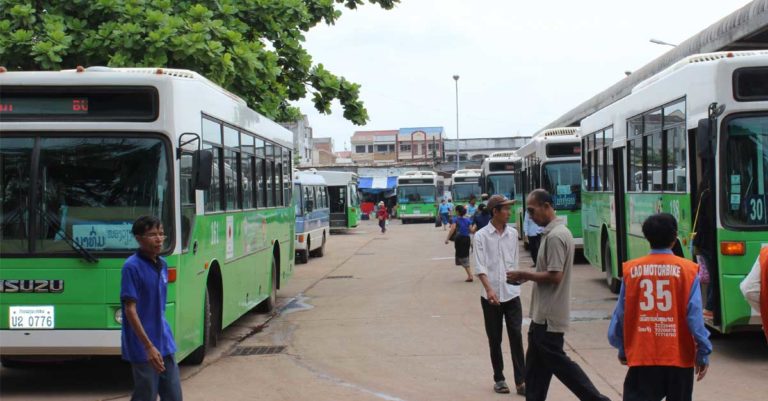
(469,280)
(501,387)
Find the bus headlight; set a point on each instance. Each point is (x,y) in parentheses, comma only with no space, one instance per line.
(119,316)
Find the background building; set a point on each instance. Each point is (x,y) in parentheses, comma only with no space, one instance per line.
(420,143)
(302,140)
(322,151)
(477,149)
(374,146)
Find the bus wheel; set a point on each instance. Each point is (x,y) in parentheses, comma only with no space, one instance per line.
(405,221)
(302,256)
(197,356)
(319,252)
(614,284)
(268,304)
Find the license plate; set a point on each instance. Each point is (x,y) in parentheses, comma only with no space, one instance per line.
(31,317)
(416,211)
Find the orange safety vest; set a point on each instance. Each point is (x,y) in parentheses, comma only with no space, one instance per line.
(764,289)
(656,292)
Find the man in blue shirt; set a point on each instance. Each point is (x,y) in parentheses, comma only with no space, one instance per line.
(147,341)
(533,232)
(445,214)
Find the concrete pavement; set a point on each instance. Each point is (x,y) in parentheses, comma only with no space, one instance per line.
(389,317)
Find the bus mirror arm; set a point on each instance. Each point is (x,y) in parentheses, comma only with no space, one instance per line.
(183,142)
(705,133)
(202,165)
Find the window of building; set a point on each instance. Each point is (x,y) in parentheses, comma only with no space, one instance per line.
(359,148)
(405,148)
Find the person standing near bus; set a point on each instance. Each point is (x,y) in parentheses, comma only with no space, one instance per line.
(471,207)
(461,241)
(755,287)
(658,326)
(382,216)
(147,341)
(550,307)
(533,232)
(445,214)
(495,254)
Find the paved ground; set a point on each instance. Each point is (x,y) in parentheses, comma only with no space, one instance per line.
(387,317)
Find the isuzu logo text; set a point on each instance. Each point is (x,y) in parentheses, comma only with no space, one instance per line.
(25,286)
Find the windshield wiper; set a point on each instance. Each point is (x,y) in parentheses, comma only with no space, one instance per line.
(67,238)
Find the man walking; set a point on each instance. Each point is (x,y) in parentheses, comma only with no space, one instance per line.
(550,307)
(147,341)
(658,325)
(495,255)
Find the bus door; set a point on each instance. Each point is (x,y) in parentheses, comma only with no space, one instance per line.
(337,195)
(619,192)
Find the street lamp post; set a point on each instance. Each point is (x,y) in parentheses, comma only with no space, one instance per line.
(661,42)
(456,80)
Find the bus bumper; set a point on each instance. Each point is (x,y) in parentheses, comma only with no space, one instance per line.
(60,342)
(416,216)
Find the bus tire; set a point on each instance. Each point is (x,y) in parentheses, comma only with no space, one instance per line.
(613,283)
(302,257)
(405,221)
(268,305)
(319,252)
(198,356)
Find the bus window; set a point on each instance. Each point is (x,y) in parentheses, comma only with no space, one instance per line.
(562,180)
(213,194)
(501,185)
(746,172)
(230,179)
(15,163)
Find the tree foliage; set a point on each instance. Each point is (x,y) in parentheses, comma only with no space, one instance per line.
(251,47)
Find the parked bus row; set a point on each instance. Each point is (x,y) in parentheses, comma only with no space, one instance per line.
(690,141)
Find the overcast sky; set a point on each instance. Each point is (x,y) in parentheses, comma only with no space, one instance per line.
(520,65)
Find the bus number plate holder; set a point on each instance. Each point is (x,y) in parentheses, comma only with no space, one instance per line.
(31,317)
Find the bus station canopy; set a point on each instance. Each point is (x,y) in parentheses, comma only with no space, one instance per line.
(375,185)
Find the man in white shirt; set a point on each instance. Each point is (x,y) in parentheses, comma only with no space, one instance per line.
(495,255)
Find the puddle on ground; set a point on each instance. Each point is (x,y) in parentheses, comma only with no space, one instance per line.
(589,315)
(298,304)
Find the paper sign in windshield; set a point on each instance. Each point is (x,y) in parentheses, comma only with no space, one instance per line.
(104,236)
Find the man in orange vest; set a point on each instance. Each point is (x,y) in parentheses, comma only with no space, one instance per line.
(658,325)
(755,287)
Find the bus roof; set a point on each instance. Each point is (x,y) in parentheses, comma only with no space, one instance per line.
(308,178)
(417,174)
(537,145)
(467,173)
(696,79)
(193,94)
(337,177)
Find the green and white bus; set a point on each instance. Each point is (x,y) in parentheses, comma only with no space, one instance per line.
(465,184)
(85,152)
(418,195)
(691,141)
(500,175)
(344,198)
(552,160)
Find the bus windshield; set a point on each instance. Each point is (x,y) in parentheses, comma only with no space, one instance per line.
(462,192)
(562,180)
(416,194)
(745,181)
(502,184)
(89,189)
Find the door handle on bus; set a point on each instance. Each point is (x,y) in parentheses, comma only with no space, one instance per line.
(194,248)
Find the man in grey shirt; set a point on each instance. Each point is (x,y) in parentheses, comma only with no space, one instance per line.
(550,307)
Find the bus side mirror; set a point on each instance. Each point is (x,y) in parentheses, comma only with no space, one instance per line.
(202,166)
(703,142)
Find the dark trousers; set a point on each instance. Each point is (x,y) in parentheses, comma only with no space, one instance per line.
(495,316)
(148,384)
(383,225)
(533,246)
(545,358)
(652,383)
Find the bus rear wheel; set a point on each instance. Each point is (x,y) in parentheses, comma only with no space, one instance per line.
(319,252)
(613,283)
(268,305)
(198,356)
